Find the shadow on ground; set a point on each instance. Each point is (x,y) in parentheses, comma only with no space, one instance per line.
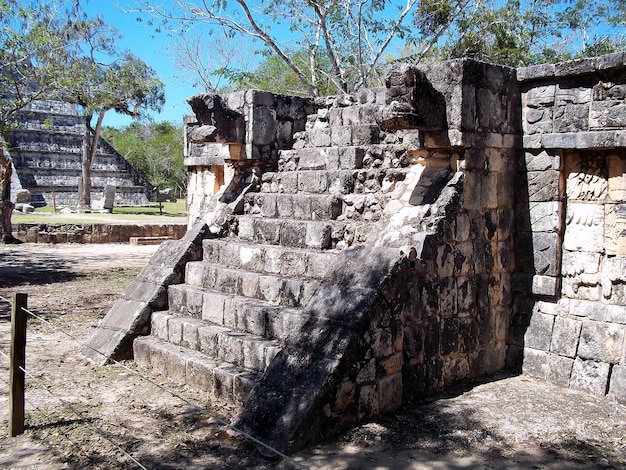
(39,270)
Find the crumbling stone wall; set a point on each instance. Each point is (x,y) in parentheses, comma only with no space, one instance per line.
(259,123)
(569,322)
(456,323)
(487,208)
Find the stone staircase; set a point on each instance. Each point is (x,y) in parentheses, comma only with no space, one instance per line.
(244,300)
(46,151)
(358,261)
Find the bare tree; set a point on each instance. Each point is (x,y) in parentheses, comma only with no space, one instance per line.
(353,35)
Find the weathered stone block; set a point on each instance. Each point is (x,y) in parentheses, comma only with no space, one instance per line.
(584,228)
(268,203)
(341,136)
(213,308)
(351,158)
(559,370)
(615,229)
(617,385)
(313,181)
(266,231)
(159,322)
(284,205)
(301,206)
(576,263)
(142,352)
(455,370)
(318,235)
(246,228)
(199,372)
(311,159)
(616,314)
(537,120)
(603,342)
(365,134)
(224,377)
(320,137)
(590,376)
(249,257)
(543,186)
(292,234)
(571,118)
(617,178)
(544,285)
(565,336)
(543,217)
(590,310)
(539,96)
(538,252)
(607,114)
(539,332)
(175,363)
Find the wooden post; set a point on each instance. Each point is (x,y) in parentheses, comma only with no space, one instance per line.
(18,363)
(54,203)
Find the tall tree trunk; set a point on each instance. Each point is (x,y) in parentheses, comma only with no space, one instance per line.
(84,185)
(90,149)
(6,206)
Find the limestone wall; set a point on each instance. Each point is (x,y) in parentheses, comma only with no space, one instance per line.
(457,321)
(261,124)
(93,233)
(509,184)
(570,311)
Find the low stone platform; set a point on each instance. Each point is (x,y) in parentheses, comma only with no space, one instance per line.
(96,233)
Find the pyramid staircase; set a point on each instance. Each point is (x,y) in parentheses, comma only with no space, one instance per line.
(245,299)
(46,149)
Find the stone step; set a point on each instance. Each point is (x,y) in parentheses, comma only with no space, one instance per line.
(217,342)
(309,181)
(276,289)
(327,158)
(319,135)
(236,312)
(340,182)
(222,380)
(270,259)
(294,206)
(149,240)
(302,234)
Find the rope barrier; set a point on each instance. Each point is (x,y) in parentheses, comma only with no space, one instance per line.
(195,406)
(75,412)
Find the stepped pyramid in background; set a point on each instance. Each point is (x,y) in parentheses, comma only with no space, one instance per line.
(46,152)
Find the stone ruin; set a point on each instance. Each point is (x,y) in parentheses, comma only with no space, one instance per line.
(350,255)
(46,153)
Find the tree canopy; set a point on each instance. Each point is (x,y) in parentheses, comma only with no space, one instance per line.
(345,43)
(49,49)
(99,78)
(155,149)
(32,37)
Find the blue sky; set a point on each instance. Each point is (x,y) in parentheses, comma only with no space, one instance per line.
(140,39)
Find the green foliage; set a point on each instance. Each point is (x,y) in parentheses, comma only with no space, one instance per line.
(341,41)
(274,75)
(156,150)
(31,39)
(518,33)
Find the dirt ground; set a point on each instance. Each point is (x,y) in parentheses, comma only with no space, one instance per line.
(82,416)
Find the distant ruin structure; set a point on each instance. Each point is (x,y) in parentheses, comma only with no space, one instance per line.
(46,153)
(350,255)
